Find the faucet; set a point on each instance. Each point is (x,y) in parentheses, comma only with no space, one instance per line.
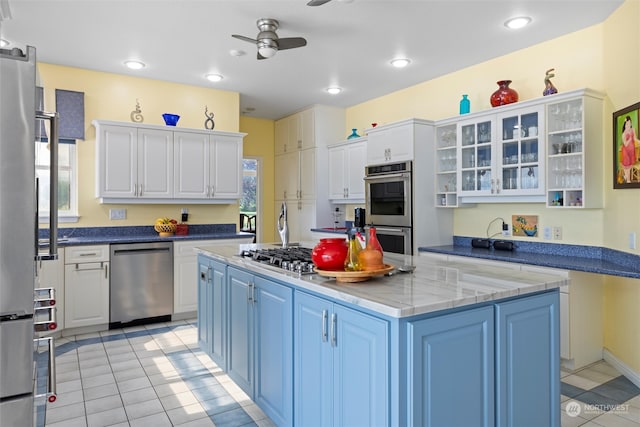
(283,227)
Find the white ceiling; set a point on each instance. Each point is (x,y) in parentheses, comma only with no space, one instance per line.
(350,42)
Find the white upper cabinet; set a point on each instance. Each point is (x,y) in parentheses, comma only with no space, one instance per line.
(502,155)
(547,149)
(575,151)
(301,142)
(134,163)
(156,164)
(391,143)
(207,166)
(346,171)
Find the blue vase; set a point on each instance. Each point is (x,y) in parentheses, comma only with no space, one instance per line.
(354,134)
(465,105)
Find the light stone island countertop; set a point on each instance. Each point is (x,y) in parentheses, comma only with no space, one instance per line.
(434,284)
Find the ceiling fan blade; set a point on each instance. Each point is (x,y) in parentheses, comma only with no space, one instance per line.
(291,42)
(243,38)
(317,2)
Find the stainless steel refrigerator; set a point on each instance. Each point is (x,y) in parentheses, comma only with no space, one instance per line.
(18,235)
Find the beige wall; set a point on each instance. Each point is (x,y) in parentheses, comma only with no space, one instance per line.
(113,97)
(604,57)
(621,63)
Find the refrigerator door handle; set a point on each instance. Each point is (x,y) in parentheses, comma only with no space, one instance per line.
(53,185)
(51,380)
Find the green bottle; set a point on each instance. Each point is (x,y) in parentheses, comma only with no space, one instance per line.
(351,263)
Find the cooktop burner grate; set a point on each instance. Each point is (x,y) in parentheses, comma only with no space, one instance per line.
(296,259)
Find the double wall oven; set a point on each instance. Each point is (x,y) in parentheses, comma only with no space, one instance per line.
(388,203)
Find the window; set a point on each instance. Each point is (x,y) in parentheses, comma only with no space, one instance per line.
(67,195)
(249,186)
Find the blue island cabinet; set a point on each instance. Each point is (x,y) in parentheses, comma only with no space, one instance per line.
(494,365)
(260,342)
(341,365)
(211,309)
(451,376)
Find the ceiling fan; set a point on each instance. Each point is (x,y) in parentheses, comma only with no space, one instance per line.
(268,42)
(317,2)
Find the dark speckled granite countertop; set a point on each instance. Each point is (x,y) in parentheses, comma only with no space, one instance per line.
(136,234)
(591,259)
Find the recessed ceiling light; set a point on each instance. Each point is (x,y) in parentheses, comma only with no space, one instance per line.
(134,65)
(214,77)
(400,62)
(518,22)
(3,43)
(334,90)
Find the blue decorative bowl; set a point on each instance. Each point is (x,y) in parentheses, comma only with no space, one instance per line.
(170,119)
(531,232)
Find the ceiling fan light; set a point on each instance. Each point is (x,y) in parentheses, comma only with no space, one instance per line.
(267,51)
(334,90)
(214,77)
(134,65)
(400,62)
(518,22)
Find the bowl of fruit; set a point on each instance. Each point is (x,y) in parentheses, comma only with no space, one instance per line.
(165,226)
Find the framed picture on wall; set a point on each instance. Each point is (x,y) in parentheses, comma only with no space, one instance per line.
(626,147)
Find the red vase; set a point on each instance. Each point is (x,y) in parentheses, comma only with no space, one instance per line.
(504,95)
(330,254)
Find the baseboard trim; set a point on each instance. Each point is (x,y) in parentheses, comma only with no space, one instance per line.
(622,367)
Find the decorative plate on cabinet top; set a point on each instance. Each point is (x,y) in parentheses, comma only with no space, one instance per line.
(355,276)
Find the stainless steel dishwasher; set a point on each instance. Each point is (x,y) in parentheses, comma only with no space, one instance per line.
(141,284)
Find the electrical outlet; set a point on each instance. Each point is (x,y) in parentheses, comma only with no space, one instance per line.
(546,233)
(632,240)
(557,233)
(117,214)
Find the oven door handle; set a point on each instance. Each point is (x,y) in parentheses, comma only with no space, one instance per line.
(385,177)
(400,231)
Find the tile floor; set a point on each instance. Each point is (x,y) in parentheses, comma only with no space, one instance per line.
(153,375)
(598,396)
(156,375)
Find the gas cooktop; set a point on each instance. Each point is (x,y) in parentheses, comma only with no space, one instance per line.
(296,259)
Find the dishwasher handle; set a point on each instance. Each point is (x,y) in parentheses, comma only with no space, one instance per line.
(140,251)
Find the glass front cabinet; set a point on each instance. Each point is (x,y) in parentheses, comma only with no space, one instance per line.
(545,150)
(446,165)
(575,146)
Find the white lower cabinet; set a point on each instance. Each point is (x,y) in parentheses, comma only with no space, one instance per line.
(185,273)
(86,284)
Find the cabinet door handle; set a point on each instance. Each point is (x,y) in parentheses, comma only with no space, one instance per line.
(106,271)
(213,190)
(325,318)
(493,184)
(209,274)
(140,190)
(88,254)
(334,338)
(498,185)
(253,293)
(249,298)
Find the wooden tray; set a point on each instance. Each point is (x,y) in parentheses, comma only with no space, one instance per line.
(355,276)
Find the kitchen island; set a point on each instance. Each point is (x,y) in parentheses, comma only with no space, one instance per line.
(448,344)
